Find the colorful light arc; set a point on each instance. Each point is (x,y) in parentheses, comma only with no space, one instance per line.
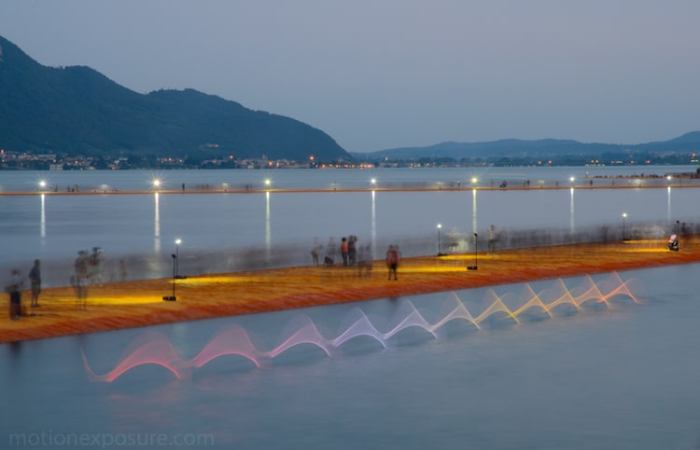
(156,348)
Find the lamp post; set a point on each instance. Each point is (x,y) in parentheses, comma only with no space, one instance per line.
(439,226)
(476,253)
(624,217)
(176,259)
(176,269)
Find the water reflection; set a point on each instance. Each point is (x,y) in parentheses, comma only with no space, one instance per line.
(474,222)
(668,204)
(43,217)
(558,300)
(268,232)
(374,223)
(571,211)
(156,231)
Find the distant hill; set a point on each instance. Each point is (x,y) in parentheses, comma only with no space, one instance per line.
(544,148)
(77,110)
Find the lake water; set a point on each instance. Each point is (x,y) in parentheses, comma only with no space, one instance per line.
(617,371)
(619,374)
(233,231)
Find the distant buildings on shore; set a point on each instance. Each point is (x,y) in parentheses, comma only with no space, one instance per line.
(30,161)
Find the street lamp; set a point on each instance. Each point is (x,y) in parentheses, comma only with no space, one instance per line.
(42,185)
(476,252)
(374,182)
(624,216)
(156,184)
(176,258)
(176,268)
(439,226)
(268,182)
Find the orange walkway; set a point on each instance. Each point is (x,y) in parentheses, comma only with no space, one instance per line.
(140,303)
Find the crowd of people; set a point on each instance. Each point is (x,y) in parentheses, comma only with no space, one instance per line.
(353,254)
(87,271)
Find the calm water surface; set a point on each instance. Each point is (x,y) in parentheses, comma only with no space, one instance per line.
(622,377)
(219,232)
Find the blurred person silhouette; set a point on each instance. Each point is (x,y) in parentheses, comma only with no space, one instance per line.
(361,261)
(392,261)
(122,269)
(369,261)
(492,238)
(35,281)
(80,279)
(14,288)
(352,250)
(344,248)
(329,259)
(315,251)
(95,263)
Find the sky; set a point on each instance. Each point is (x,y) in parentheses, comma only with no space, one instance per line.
(380,74)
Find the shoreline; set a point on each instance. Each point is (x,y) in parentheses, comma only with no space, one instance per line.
(140,303)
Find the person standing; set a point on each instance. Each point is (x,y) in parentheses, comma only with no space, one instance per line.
(315,251)
(329,259)
(80,279)
(392,261)
(14,288)
(352,250)
(35,280)
(492,238)
(344,248)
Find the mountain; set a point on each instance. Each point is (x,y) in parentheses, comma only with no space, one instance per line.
(544,148)
(78,111)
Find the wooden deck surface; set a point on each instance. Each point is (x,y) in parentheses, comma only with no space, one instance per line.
(140,303)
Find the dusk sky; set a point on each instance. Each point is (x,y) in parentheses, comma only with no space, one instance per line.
(392,73)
